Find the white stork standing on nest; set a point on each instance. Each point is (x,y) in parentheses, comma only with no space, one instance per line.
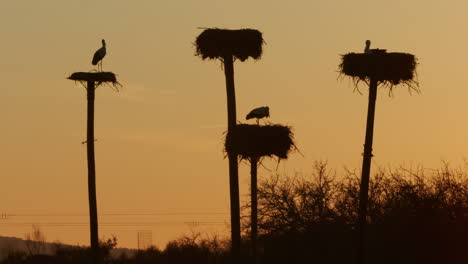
(99,55)
(259,113)
(368,50)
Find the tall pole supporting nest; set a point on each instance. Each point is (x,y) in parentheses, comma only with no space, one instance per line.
(366,165)
(376,67)
(233,166)
(253,208)
(227,45)
(92,80)
(93,219)
(252,142)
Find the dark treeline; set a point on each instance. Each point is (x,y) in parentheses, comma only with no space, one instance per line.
(415,216)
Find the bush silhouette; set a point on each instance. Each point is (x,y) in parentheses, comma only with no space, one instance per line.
(414,217)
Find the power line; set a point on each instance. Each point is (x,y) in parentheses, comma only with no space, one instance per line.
(114,224)
(118,214)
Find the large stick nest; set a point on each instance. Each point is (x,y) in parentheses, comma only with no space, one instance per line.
(256,141)
(215,43)
(94,77)
(389,68)
(97,77)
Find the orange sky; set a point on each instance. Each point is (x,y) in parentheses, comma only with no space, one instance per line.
(160,139)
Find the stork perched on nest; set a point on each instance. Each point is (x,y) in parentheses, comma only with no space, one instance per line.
(259,113)
(368,50)
(99,55)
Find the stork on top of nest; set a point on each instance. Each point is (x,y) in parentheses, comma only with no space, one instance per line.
(368,50)
(254,141)
(99,55)
(388,68)
(259,113)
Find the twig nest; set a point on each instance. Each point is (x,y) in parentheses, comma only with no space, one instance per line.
(94,76)
(392,68)
(97,77)
(215,43)
(256,141)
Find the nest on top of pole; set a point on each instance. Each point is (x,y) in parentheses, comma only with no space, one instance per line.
(215,43)
(388,68)
(256,141)
(97,77)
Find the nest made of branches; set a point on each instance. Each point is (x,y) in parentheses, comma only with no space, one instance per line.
(215,43)
(256,141)
(97,77)
(389,68)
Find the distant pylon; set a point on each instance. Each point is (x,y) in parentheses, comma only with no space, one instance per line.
(144,239)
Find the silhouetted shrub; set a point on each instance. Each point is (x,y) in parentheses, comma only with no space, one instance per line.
(194,249)
(15,257)
(81,254)
(215,43)
(147,256)
(257,141)
(413,217)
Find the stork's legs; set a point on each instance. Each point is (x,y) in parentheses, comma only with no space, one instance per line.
(99,66)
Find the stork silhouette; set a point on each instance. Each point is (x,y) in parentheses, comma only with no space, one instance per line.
(368,50)
(99,55)
(259,113)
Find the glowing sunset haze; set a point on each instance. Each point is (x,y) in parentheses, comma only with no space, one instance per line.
(160,163)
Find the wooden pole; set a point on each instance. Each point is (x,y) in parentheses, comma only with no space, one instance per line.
(366,165)
(233,168)
(253,208)
(93,219)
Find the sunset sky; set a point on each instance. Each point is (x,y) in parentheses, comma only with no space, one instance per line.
(159,152)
